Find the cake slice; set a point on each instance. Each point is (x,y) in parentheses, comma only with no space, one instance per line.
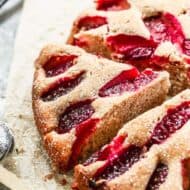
(151,152)
(146,34)
(81,100)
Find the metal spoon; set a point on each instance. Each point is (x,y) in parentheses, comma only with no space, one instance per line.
(6,140)
(7,178)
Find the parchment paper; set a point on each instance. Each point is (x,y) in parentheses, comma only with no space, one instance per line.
(43,21)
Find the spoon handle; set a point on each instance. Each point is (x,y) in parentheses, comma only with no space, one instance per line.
(10,180)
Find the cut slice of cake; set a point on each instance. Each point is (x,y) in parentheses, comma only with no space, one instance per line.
(146,34)
(151,152)
(81,100)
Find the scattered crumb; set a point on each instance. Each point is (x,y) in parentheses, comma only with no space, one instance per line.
(20,116)
(63,181)
(19,151)
(48,177)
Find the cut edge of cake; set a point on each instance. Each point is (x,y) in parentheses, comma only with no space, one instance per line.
(112,110)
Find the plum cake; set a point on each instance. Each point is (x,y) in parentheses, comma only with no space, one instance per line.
(81,100)
(151,152)
(143,33)
(145,6)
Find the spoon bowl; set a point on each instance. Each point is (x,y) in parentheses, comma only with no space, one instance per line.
(6,140)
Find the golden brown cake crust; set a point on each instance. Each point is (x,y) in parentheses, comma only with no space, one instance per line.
(110,112)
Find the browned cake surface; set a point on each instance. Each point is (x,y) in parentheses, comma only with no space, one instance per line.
(81,100)
(145,34)
(150,152)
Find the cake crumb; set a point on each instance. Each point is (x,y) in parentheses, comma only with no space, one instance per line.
(19,151)
(48,177)
(63,181)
